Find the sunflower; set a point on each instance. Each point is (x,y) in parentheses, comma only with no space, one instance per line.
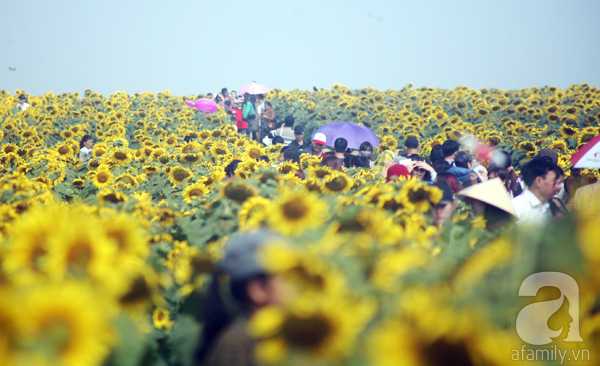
(219,149)
(559,145)
(418,196)
(100,116)
(567,131)
(67,324)
(288,167)
(191,158)
(99,149)
(9,148)
(78,183)
(194,191)
(253,212)
(119,157)
(527,146)
(126,180)
(255,152)
(112,196)
(295,212)
(161,319)
(64,150)
(101,178)
(179,174)
(336,183)
(320,332)
(237,191)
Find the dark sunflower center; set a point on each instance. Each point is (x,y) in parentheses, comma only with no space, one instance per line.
(102,177)
(238,192)
(295,210)
(306,333)
(191,158)
(180,174)
(112,197)
(337,184)
(418,195)
(63,150)
(120,156)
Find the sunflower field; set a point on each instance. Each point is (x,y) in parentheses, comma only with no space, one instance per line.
(107,263)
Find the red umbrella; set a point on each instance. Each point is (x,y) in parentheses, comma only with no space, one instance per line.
(588,156)
(203,105)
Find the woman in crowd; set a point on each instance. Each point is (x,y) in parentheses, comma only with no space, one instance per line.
(249,114)
(85,148)
(449,180)
(333,162)
(267,118)
(490,200)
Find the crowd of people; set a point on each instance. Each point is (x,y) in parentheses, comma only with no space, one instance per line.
(493,189)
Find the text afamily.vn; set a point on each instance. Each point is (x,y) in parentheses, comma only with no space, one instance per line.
(549,354)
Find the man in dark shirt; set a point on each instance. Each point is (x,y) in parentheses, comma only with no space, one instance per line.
(299,143)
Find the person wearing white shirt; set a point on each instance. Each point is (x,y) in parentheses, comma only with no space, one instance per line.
(450,149)
(85,148)
(23,105)
(533,205)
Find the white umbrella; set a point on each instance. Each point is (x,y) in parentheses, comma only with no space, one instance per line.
(588,156)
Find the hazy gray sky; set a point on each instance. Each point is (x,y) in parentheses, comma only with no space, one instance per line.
(198,46)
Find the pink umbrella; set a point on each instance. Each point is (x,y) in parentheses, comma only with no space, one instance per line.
(588,156)
(254,88)
(203,105)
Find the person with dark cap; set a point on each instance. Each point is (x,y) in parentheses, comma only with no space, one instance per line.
(411,146)
(23,105)
(298,142)
(286,132)
(224,339)
(445,208)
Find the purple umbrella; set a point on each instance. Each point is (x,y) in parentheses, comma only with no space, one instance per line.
(354,133)
(203,105)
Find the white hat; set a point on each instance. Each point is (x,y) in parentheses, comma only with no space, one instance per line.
(320,138)
(491,192)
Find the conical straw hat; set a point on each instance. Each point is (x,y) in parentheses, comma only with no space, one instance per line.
(491,192)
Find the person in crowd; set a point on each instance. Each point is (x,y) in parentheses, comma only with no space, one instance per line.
(241,124)
(333,162)
(383,162)
(291,154)
(268,117)
(277,140)
(572,184)
(230,170)
(359,162)
(339,147)
(219,100)
(249,114)
(450,180)
(298,142)
(557,206)
(450,149)
(259,105)
(503,159)
(395,172)
(437,154)
(443,211)
(411,146)
(286,132)
(318,143)
(502,174)
(85,148)
(420,169)
(227,106)
(532,206)
(440,166)
(264,158)
(490,200)
(463,168)
(586,202)
(224,340)
(187,138)
(366,150)
(233,96)
(23,104)
(225,94)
